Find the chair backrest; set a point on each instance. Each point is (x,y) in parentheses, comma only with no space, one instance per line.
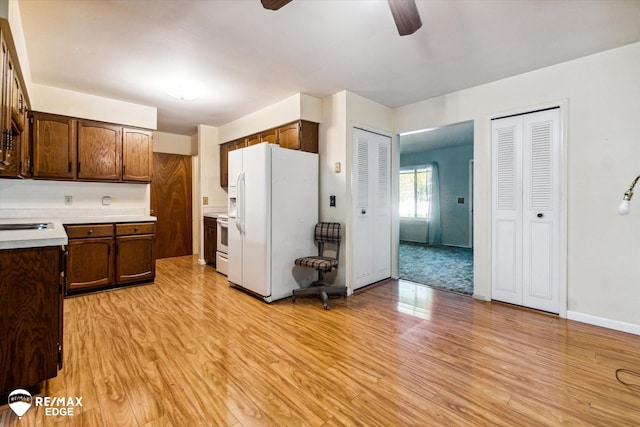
(328,232)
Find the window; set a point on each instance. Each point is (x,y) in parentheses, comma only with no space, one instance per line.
(415,192)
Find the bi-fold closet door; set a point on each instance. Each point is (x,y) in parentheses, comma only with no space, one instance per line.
(525,210)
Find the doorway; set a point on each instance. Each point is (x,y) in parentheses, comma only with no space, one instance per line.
(436,207)
(171,203)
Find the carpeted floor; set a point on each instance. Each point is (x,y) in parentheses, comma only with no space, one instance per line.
(443,267)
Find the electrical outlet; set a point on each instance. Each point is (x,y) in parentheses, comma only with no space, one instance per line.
(332,201)
(338,167)
(68,200)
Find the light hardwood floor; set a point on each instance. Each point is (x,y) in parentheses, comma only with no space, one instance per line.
(189,351)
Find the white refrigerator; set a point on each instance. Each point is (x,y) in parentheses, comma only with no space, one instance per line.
(273,209)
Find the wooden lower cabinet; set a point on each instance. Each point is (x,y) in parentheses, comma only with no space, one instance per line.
(103,256)
(89,264)
(30,316)
(135,259)
(210,240)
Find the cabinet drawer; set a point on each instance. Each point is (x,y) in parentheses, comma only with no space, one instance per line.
(95,230)
(135,228)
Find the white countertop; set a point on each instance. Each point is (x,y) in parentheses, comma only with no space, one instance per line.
(214,211)
(14,239)
(55,235)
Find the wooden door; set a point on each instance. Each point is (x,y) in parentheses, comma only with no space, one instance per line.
(137,155)
(99,151)
(171,204)
(54,146)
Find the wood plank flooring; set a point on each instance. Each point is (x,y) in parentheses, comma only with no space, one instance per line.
(191,351)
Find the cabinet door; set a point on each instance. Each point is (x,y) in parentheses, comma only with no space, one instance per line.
(224,164)
(54,148)
(136,259)
(289,136)
(269,136)
(252,140)
(29,316)
(4,53)
(99,151)
(210,240)
(137,155)
(89,264)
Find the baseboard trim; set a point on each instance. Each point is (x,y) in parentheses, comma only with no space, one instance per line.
(604,322)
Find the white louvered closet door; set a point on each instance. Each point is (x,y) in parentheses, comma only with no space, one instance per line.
(526,202)
(371,190)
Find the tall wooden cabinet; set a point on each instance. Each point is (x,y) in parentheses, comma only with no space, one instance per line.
(30,316)
(13,111)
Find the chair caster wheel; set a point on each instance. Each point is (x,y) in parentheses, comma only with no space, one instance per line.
(326,307)
(293,299)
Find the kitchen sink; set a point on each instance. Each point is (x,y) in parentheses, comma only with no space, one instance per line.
(27,226)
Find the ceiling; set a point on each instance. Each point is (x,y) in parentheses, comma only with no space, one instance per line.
(241,57)
(434,138)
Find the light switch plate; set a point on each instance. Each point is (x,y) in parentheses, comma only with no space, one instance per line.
(106,201)
(205,200)
(68,200)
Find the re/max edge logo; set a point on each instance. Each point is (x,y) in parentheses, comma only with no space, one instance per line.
(20,401)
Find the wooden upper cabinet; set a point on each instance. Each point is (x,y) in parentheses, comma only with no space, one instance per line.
(54,146)
(99,151)
(224,164)
(289,136)
(252,140)
(300,135)
(4,53)
(137,155)
(269,136)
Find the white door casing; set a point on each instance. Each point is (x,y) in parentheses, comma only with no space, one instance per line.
(526,210)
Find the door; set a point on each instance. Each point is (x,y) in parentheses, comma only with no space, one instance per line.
(171,204)
(526,204)
(54,146)
(99,151)
(137,155)
(256,218)
(371,189)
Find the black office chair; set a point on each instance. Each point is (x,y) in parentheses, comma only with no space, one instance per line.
(325,232)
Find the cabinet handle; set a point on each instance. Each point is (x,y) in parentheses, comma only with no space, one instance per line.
(135,230)
(91,231)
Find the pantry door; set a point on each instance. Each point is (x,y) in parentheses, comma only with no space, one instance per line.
(371,190)
(526,210)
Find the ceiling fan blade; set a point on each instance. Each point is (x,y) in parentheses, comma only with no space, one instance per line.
(405,13)
(274,4)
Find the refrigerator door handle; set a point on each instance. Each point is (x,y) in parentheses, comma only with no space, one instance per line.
(240,203)
(244,185)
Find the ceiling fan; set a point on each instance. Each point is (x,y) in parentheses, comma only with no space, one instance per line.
(405,13)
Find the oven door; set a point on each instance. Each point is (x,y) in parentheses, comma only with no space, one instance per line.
(222,233)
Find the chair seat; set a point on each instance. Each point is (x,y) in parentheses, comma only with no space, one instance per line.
(317,262)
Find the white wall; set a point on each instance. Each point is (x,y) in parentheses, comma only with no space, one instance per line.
(342,112)
(172,144)
(48,99)
(296,107)
(36,194)
(602,96)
